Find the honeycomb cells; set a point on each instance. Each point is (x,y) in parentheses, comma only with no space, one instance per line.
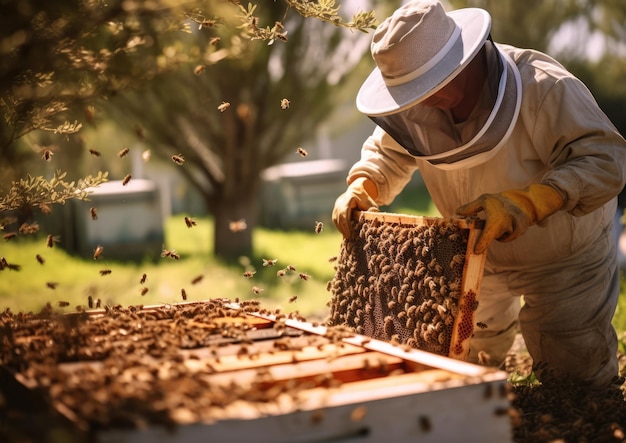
(401,281)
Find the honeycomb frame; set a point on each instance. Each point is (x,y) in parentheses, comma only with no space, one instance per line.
(409,280)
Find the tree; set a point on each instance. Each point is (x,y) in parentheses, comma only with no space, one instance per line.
(58,59)
(231,120)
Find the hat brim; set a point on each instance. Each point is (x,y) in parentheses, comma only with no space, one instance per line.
(376,98)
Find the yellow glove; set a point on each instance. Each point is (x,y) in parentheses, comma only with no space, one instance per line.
(361,195)
(509,214)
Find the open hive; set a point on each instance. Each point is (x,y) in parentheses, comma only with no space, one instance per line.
(224,371)
(411,280)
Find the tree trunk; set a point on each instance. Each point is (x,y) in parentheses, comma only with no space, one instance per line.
(232,240)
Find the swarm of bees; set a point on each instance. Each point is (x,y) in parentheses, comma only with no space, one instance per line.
(402,283)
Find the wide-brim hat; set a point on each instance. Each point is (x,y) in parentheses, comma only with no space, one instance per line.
(418,50)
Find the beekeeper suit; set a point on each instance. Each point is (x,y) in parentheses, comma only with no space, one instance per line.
(509,135)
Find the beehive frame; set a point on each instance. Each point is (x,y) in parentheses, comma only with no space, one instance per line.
(392,284)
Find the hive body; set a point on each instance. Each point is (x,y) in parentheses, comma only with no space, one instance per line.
(411,280)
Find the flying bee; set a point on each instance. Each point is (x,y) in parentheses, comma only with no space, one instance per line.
(199,69)
(40,259)
(332,259)
(98,304)
(97,252)
(214,41)
(90,302)
(9,235)
(28,228)
(47,155)
(51,240)
(63,304)
(126,179)
(190,222)
(105,271)
(183,294)
(94,213)
(302,152)
(257,290)
(319,227)
(53,285)
(145,155)
(284,103)
(303,276)
(178,159)
(293,298)
(143,278)
(237,225)
(269,262)
(144,290)
(170,253)
(94,153)
(123,152)
(280,273)
(223,107)
(290,268)
(197,279)
(249,274)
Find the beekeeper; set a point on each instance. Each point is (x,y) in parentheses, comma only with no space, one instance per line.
(511,136)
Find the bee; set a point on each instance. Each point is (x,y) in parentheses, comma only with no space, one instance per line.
(197,279)
(332,259)
(47,155)
(98,304)
(145,155)
(52,285)
(45,208)
(284,103)
(199,69)
(358,413)
(123,152)
(170,253)
(178,159)
(9,235)
(290,268)
(319,227)
(482,325)
(144,290)
(223,107)
(63,304)
(280,273)
(214,41)
(94,153)
(257,290)
(105,271)
(90,302)
(190,222)
(97,252)
(303,276)
(208,23)
(27,228)
(183,294)
(269,262)
(126,179)
(302,152)
(143,278)
(249,274)
(457,260)
(94,213)
(40,259)
(293,298)
(237,225)
(425,423)
(51,240)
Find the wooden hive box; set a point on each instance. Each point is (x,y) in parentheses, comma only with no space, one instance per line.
(409,279)
(222,371)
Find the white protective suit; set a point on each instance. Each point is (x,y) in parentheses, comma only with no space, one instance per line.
(566,268)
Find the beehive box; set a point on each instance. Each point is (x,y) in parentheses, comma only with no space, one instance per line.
(222,371)
(409,279)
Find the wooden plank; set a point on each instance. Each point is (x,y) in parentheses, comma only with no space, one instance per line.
(416,220)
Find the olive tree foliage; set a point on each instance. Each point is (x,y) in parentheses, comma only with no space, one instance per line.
(59,60)
(244,103)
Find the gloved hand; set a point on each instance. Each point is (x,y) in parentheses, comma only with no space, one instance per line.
(361,195)
(509,214)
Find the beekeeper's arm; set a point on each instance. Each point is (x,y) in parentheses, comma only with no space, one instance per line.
(376,179)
